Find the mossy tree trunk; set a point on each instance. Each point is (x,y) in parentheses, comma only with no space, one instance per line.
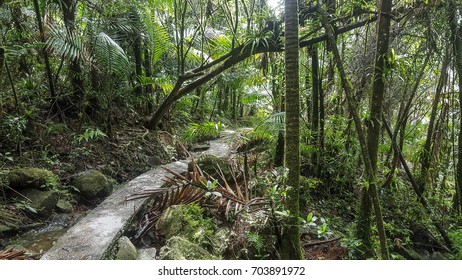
(290,243)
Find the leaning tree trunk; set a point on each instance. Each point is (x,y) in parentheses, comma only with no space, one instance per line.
(376,107)
(371,176)
(290,243)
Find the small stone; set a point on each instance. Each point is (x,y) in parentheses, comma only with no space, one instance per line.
(64,206)
(126,249)
(147,254)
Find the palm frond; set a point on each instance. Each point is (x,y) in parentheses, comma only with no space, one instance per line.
(11,254)
(65,43)
(164,83)
(159,37)
(111,56)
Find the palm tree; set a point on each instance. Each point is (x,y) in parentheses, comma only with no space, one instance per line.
(290,243)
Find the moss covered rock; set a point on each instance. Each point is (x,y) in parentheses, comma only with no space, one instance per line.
(31,177)
(64,206)
(92,184)
(180,248)
(125,249)
(44,202)
(187,221)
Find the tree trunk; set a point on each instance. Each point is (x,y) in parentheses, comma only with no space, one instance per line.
(427,158)
(45,53)
(456,31)
(138,64)
(315,83)
(69,8)
(290,243)
(371,177)
(376,109)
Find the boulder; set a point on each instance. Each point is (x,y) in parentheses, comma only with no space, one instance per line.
(186,221)
(125,249)
(169,223)
(44,202)
(64,206)
(92,184)
(31,177)
(179,248)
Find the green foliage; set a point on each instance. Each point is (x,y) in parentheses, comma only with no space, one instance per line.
(15,128)
(204,131)
(111,56)
(90,134)
(456,238)
(258,242)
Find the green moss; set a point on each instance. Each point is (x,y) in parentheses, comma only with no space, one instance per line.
(180,248)
(31,177)
(92,184)
(187,221)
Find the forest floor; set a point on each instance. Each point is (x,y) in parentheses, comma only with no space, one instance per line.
(129,153)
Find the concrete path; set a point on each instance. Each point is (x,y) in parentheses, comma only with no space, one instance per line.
(95,234)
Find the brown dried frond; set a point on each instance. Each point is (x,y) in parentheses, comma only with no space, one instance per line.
(12,254)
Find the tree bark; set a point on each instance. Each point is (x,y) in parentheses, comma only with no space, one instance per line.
(290,243)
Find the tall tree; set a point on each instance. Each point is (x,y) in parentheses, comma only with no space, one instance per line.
(456,32)
(290,244)
(375,115)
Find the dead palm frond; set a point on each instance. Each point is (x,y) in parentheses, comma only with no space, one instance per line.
(226,200)
(11,254)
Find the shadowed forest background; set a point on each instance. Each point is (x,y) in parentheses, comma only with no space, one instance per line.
(345,119)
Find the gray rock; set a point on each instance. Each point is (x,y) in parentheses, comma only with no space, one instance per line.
(30,177)
(147,254)
(125,249)
(179,248)
(44,202)
(92,184)
(64,206)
